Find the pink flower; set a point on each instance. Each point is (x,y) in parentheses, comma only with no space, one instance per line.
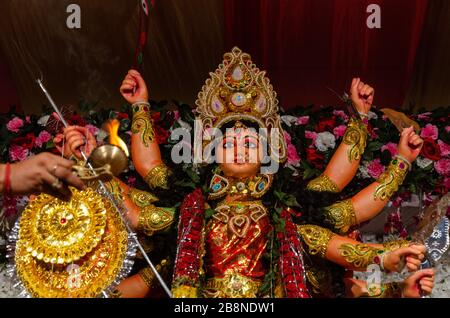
(43,137)
(287,138)
(176,115)
(425,116)
(443,167)
(131,181)
(375,168)
(391,147)
(292,155)
(311,135)
(447,129)
(28,119)
(17,153)
(92,129)
(341,114)
(339,131)
(429,131)
(15,124)
(445,148)
(302,120)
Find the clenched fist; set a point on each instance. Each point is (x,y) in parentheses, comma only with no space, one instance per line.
(133,88)
(361,95)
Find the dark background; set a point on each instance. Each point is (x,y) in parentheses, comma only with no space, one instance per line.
(305,45)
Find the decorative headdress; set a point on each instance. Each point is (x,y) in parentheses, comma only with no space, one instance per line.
(238,91)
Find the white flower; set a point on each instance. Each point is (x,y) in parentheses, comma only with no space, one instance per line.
(325,140)
(43,120)
(423,162)
(372,115)
(289,120)
(363,170)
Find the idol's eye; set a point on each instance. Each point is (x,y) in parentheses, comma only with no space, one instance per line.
(250,144)
(228,143)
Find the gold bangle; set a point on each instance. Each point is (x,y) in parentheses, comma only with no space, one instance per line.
(341,216)
(317,238)
(394,245)
(356,137)
(323,183)
(142,122)
(115,189)
(148,276)
(141,198)
(391,179)
(388,290)
(154,219)
(158,177)
(360,255)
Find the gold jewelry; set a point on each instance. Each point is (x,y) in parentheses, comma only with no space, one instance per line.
(184,291)
(388,290)
(141,198)
(154,219)
(323,183)
(115,294)
(57,184)
(232,285)
(255,187)
(360,255)
(158,177)
(341,215)
(142,122)
(391,179)
(148,276)
(238,91)
(317,238)
(356,137)
(114,187)
(394,245)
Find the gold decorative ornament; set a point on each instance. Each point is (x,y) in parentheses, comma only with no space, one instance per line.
(323,183)
(141,198)
(142,122)
(316,238)
(360,255)
(388,290)
(391,179)
(148,276)
(341,215)
(158,177)
(154,219)
(184,291)
(232,285)
(114,187)
(356,137)
(87,277)
(238,91)
(254,187)
(59,232)
(394,245)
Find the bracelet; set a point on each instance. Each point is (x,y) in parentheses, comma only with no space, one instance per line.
(140,106)
(363,115)
(405,160)
(7,179)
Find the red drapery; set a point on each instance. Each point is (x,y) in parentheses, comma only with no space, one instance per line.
(307,45)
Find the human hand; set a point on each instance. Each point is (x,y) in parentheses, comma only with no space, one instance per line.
(419,283)
(44,173)
(413,254)
(361,95)
(75,137)
(410,144)
(133,88)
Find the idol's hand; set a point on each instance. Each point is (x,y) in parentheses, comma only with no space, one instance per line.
(75,139)
(410,144)
(133,88)
(418,284)
(414,254)
(361,95)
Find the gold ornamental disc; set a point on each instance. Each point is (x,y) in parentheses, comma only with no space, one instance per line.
(87,277)
(59,232)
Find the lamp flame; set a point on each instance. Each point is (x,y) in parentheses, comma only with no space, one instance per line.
(112,127)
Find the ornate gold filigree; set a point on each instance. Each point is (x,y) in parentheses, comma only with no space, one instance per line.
(360,255)
(59,232)
(142,123)
(184,291)
(154,219)
(141,198)
(341,215)
(323,183)
(148,276)
(316,238)
(158,177)
(394,245)
(388,290)
(87,277)
(114,187)
(391,179)
(254,187)
(356,137)
(232,285)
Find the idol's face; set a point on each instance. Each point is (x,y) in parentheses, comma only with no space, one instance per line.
(240,153)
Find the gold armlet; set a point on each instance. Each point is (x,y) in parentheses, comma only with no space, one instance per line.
(158,177)
(142,122)
(316,238)
(356,137)
(391,179)
(323,183)
(141,198)
(388,290)
(115,189)
(148,276)
(341,215)
(394,245)
(360,255)
(154,219)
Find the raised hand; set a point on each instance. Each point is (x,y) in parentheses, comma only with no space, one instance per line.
(133,88)
(418,284)
(410,144)
(73,139)
(361,95)
(413,254)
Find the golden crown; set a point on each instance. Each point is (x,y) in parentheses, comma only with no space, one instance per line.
(238,90)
